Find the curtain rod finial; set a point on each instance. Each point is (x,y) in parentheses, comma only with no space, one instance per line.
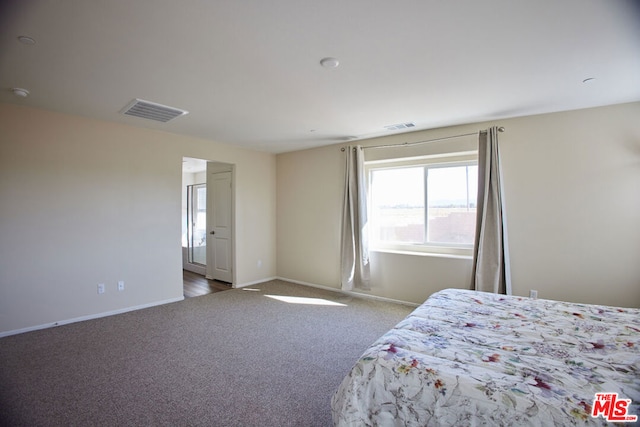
(501,129)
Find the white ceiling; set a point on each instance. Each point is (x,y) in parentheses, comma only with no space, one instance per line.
(248,71)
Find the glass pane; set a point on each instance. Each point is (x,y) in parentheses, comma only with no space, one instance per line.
(452,193)
(397,205)
(197,225)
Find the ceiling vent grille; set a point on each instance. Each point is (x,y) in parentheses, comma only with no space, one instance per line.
(400,126)
(152,111)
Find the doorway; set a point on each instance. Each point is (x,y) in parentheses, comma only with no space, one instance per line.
(208,219)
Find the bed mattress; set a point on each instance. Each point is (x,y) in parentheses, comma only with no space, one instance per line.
(474,358)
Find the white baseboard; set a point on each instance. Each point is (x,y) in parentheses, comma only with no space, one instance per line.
(140,307)
(350,293)
(244,285)
(88,317)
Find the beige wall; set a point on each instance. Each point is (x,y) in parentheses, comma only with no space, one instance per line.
(84,202)
(572,184)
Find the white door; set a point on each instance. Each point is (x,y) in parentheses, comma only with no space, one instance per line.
(219,222)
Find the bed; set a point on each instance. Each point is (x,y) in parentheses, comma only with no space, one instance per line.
(466,358)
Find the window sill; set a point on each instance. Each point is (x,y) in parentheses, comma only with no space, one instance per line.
(427,254)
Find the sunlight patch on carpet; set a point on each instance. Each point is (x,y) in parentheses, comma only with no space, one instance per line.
(303,300)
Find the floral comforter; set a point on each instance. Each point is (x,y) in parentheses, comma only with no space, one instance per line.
(466,358)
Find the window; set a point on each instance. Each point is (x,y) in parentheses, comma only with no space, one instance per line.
(424,205)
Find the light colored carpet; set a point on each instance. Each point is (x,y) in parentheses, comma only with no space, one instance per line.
(233,358)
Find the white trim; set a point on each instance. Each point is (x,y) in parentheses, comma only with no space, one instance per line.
(244,285)
(88,317)
(423,250)
(169,301)
(444,159)
(350,293)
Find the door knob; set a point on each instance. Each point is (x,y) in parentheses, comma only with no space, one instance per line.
(213,232)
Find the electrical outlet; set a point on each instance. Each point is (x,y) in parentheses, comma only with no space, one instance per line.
(101,288)
(121,285)
(533,294)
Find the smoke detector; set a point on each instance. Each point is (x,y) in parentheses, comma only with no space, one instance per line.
(18,91)
(152,111)
(329,62)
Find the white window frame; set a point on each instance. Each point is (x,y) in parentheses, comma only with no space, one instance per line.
(467,158)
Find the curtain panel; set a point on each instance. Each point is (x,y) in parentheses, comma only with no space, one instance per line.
(355,246)
(491,253)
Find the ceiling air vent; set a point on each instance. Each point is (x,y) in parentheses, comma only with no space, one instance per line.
(400,126)
(152,111)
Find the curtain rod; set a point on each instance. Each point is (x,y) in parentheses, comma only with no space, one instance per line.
(408,144)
